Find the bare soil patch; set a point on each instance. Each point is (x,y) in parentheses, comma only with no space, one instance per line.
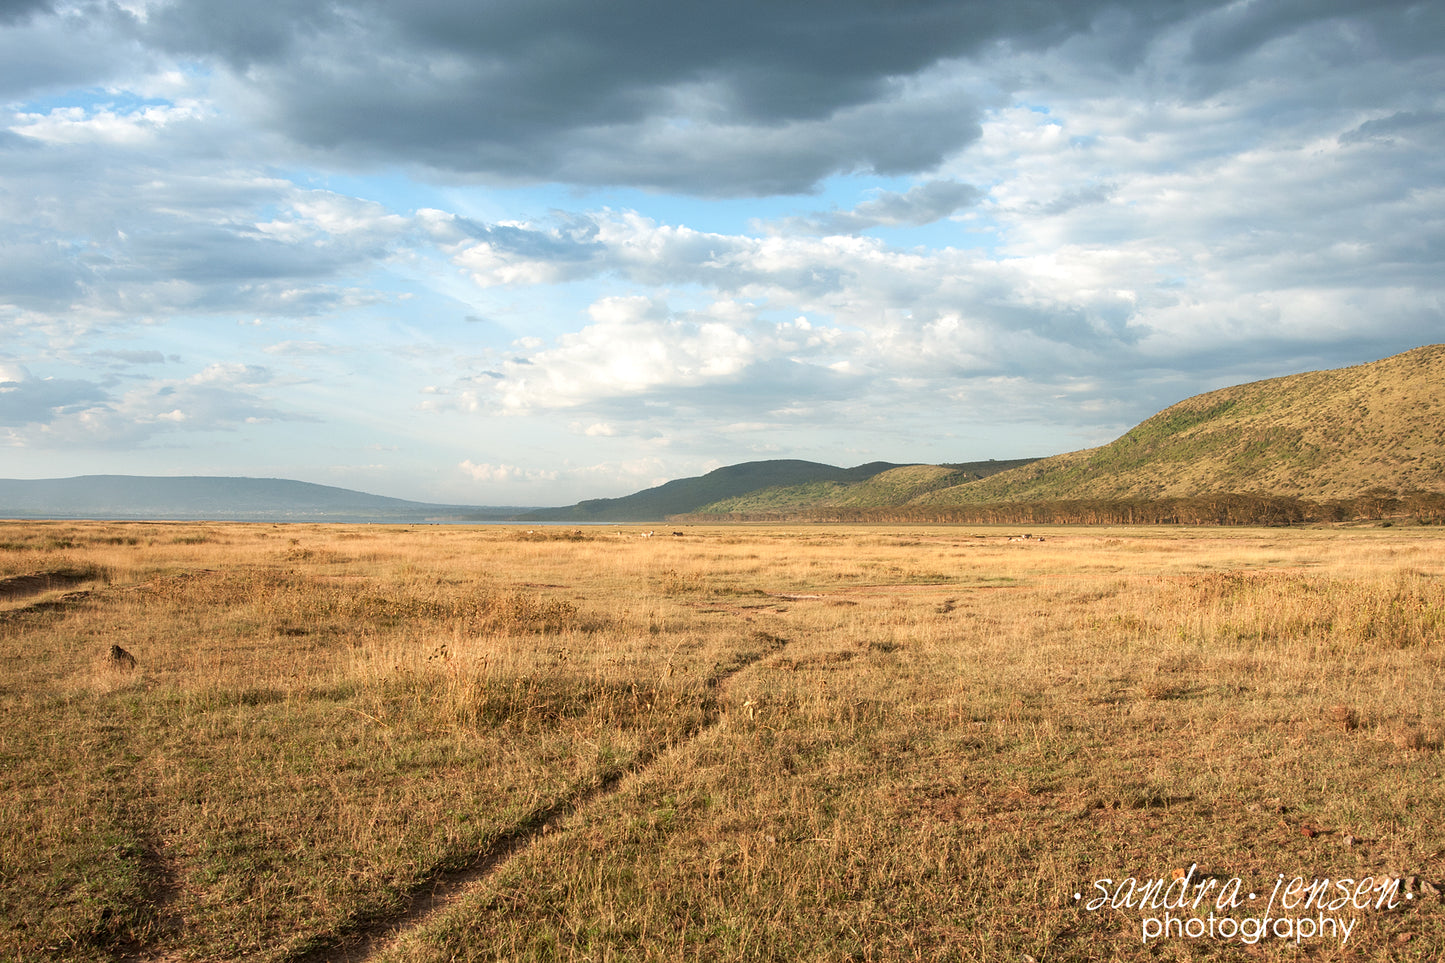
(24,586)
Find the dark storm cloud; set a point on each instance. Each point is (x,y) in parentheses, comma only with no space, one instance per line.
(745,98)
(14,11)
(737,98)
(1241,28)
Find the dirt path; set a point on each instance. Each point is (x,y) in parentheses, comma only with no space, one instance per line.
(443,889)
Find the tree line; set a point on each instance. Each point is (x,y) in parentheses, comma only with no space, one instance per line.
(1222,509)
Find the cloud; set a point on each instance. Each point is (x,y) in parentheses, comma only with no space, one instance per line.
(504,474)
(1118,275)
(532,486)
(56,413)
(633,347)
(737,99)
(131,357)
(515,253)
(18,11)
(45,47)
(302,348)
(921,204)
(1400,123)
(26,400)
(106,126)
(1238,29)
(726,100)
(860,284)
(107,229)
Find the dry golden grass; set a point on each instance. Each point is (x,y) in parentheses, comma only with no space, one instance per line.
(742,743)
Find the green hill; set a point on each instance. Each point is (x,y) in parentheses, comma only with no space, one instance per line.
(1377,427)
(685,495)
(896,486)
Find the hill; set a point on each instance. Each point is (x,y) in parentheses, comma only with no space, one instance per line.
(1339,434)
(685,495)
(220,499)
(896,486)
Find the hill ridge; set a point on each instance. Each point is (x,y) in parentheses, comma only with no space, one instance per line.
(1333,433)
(895,486)
(684,495)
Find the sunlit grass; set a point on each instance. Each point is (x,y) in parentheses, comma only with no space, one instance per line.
(865,743)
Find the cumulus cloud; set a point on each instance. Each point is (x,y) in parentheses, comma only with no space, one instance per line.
(503,474)
(1121,276)
(634,346)
(861,285)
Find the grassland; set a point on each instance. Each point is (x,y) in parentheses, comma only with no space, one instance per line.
(749,743)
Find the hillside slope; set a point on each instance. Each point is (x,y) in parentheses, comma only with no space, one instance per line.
(684,495)
(897,486)
(1322,434)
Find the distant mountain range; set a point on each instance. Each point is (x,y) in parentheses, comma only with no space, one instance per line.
(1376,428)
(219,499)
(272,499)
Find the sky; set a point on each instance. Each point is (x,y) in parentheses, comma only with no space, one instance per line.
(525,252)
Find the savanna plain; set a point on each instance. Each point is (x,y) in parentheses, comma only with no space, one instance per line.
(730,743)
